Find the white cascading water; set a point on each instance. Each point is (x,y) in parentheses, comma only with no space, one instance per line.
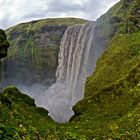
(73,65)
(76,61)
(71,73)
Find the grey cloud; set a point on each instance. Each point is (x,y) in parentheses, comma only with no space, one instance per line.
(34,15)
(12,13)
(90,9)
(5,22)
(63,6)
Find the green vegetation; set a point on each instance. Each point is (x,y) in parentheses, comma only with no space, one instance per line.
(36,25)
(4,44)
(122,55)
(113,92)
(21,119)
(111,108)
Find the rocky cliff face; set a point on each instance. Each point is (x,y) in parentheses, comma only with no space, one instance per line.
(34,51)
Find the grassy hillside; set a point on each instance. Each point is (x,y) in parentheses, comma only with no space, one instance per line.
(111,108)
(21,119)
(112,93)
(37,24)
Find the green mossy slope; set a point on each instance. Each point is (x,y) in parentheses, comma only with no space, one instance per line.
(122,55)
(21,119)
(113,92)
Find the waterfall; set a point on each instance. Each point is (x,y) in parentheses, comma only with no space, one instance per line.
(76,61)
(73,69)
(73,59)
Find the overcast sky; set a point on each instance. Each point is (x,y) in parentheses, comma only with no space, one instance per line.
(13,12)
